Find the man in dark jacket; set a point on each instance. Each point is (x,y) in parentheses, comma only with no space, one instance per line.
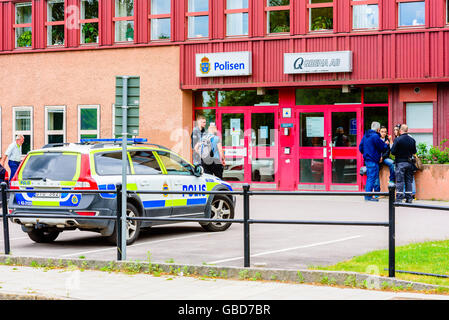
(404,147)
(372,148)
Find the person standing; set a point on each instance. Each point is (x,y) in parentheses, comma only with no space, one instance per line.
(372,148)
(211,150)
(12,157)
(197,133)
(385,158)
(404,147)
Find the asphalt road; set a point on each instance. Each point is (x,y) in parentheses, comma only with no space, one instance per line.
(272,246)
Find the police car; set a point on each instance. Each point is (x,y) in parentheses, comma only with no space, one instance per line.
(98,166)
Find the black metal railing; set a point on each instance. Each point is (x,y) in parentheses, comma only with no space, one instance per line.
(246,221)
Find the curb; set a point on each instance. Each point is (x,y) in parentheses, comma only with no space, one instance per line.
(348,279)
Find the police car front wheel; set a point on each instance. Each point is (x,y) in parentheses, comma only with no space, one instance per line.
(221,208)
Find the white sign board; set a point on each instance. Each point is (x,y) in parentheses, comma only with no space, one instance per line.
(223,64)
(315,127)
(318,62)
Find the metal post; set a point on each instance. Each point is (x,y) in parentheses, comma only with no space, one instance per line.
(118,226)
(5,218)
(246,225)
(124,163)
(391,231)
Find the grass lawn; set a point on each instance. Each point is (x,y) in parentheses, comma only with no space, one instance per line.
(428,257)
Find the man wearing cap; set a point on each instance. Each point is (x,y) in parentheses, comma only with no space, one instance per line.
(13,156)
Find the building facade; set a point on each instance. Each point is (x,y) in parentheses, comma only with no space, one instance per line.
(291,84)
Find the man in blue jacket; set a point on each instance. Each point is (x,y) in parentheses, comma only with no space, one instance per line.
(372,148)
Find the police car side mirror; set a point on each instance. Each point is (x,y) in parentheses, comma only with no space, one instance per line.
(198,170)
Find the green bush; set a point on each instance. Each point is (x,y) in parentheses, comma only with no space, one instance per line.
(433,154)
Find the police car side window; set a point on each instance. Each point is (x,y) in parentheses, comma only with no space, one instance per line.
(144,162)
(109,163)
(174,164)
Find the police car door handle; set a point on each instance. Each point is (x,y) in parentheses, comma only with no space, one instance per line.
(178,182)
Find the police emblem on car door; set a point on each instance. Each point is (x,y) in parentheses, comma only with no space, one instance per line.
(181,178)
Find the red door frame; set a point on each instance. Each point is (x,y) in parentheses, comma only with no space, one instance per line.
(251,151)
(337,152)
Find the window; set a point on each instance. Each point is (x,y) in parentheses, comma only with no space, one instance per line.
(109,163)
(174,164)
(55,23)
(365,16)
(278,16)
(412,13)
(51,165)
(198,19)
(419,118)
(326,96)
(160,22)
(23,124)
(88,122)
(89,21)
(236,17)
(447,12)
(124,20)
(321,15)
(22,25)
(144,162)
(55,124)
(247,98)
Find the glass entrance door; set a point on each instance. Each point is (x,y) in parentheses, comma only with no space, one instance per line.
(263,151)
(346,132)
(232,126)
(328,140)
(250,146)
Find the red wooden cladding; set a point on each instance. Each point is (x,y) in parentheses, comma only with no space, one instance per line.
(377,58)
(380,56)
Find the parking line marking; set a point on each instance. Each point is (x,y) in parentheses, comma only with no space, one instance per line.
(288,249)
(136,244)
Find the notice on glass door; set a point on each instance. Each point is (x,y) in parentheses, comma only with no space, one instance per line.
(315,127)
(235,127)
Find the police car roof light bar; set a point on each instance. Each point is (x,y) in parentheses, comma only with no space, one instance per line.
(133,140)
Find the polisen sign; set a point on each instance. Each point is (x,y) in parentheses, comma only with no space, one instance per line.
(223,64)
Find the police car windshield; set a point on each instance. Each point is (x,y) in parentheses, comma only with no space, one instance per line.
(50,166)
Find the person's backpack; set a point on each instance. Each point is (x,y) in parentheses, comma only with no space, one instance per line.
(206,149)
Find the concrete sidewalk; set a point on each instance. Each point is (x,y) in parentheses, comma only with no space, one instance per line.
(17,282)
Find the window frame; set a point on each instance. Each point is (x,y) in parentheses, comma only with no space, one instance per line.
(160,16)
(81,132)
(62,132)
(398,2)
(133,170)
(366,2)
(127,18)
(55,23)
(311,6)
(99,154)
(411,131)
(189,14)
(84,21)
(24,132)
(22,25)
(268,9)
(233,11)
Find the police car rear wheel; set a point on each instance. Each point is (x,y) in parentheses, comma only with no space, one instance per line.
(221,208)
(132,226)
(43,235)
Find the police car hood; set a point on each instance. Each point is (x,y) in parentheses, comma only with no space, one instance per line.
(212,178)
